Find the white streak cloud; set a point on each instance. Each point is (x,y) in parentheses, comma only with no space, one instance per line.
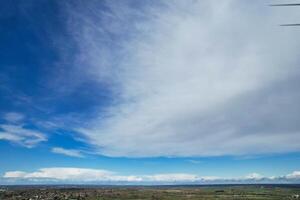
(13,117)
(67,152)
(20,135)
(191,78)
(70,174)
(100,175)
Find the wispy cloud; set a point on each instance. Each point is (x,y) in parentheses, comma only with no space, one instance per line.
(190,78)
(98,175)
(194,161)
(68,152)
(15,130)
(13,117)
(21,135)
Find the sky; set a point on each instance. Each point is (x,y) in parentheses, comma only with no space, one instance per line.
(149,92)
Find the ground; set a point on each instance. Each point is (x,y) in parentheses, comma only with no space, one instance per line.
(263,192)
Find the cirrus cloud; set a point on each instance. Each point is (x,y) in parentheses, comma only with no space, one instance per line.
(20,135)
(192,78)
(67,152)
(13,117)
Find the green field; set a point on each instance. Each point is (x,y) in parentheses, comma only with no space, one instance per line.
(266,192)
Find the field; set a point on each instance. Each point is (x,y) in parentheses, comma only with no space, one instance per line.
(266,192)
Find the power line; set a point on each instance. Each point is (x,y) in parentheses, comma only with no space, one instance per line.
(286,4)
(290,25)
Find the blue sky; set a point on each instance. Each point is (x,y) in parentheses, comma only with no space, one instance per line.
(161,92)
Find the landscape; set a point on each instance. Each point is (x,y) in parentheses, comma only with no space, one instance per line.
(226,192)
(149,99)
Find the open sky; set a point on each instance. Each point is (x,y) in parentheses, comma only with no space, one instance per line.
(149,92)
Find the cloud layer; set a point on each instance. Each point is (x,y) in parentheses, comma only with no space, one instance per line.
(192,78)
(84,175)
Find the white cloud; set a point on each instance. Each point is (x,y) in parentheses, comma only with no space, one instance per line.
(172,178)
(100,175)
(62,174)
(10,137)
(191,78)
(84,175)
(67,152)
(194,161)
(294,175)
(254,176)
(20,135)
(15,174)
(13,117)
(71,174)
